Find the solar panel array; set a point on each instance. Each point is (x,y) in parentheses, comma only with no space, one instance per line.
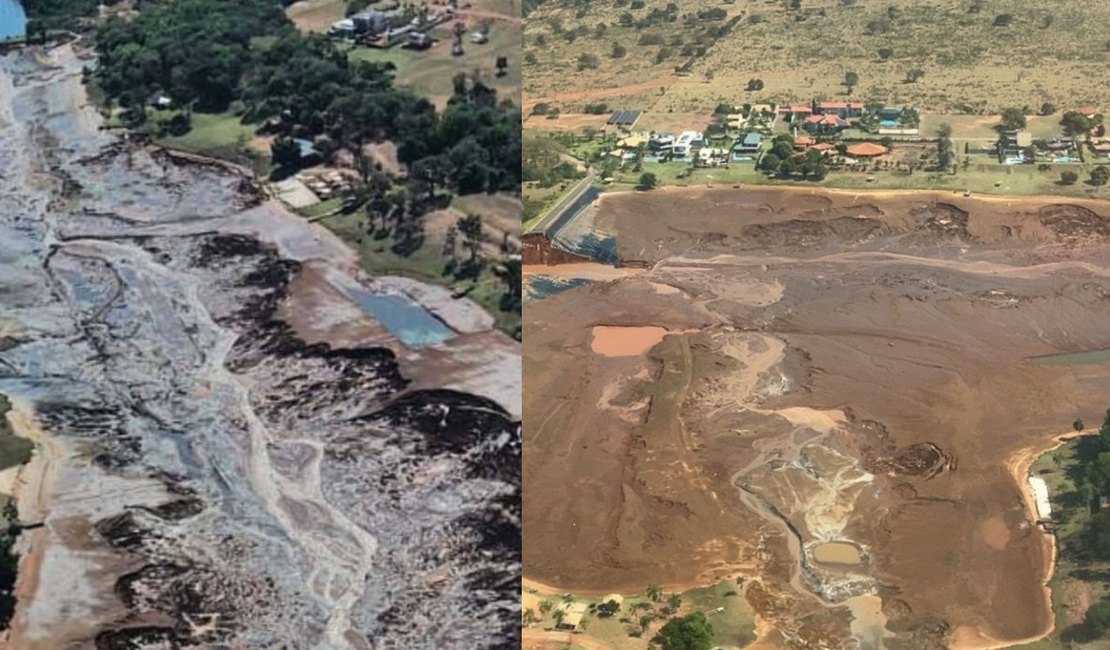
(624,118)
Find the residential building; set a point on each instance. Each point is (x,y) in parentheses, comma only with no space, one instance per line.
(824,123)
(843,109)
(750,143)
(1012,143)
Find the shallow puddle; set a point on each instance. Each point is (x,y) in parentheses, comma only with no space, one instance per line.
(618,341)
(837,553)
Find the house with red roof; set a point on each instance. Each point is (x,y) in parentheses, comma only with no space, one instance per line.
(843,109)
(830,123)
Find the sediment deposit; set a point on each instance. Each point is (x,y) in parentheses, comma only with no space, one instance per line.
(834,414)
(212,471)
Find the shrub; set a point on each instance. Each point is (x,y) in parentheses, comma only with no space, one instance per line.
(1068,177)
(1100,175)
(588,61)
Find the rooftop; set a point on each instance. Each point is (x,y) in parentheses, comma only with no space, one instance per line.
(866,149)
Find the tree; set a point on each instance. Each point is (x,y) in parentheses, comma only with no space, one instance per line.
(755,84)
(654,592)
(608,608)
(285,152)
(1048,108)
(1097,620)
(545,606)
(674,601)
(885,53)
(645,621)
(587,61)
(470,227)
(1078,424)
(1069,177)
(559,615)
(850,80)
(690,632)
(648,181)
(770,163)
(530,58)
(1075,124)
(530,617)
(1100,175)
(1002,20)
(1012,119)
(618,51)
(945,151)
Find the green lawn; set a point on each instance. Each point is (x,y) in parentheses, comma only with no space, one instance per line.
(321,208)
(220,135)
(399,57)
(983,177)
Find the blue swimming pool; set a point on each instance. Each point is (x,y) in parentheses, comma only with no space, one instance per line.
(405,319)
(888,124)
(13,22)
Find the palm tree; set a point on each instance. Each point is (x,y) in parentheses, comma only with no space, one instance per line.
(559,616)
(645,621)
(654,592)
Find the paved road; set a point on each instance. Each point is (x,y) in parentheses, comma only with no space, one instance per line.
(552,220)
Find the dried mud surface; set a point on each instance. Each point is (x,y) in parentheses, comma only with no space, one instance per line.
(215,467)
(842,368)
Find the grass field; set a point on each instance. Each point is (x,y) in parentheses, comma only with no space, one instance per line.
(316,15)
(970,65)
(431,73)
(220,135)
(426,264)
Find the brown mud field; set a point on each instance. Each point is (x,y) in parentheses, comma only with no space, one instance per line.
(845,373)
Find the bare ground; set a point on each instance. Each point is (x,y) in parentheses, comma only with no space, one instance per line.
(912,315)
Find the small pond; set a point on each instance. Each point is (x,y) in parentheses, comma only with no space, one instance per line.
(408,321)
(13,22)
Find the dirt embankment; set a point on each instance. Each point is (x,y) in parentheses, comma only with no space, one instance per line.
(915,315)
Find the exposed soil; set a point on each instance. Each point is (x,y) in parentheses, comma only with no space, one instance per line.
(856,368)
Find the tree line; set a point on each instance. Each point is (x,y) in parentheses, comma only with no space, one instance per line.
(208,56)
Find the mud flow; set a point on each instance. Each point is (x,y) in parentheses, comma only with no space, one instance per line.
(833,395)
(205,476)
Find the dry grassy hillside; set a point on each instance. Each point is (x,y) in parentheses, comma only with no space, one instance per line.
(977,56)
